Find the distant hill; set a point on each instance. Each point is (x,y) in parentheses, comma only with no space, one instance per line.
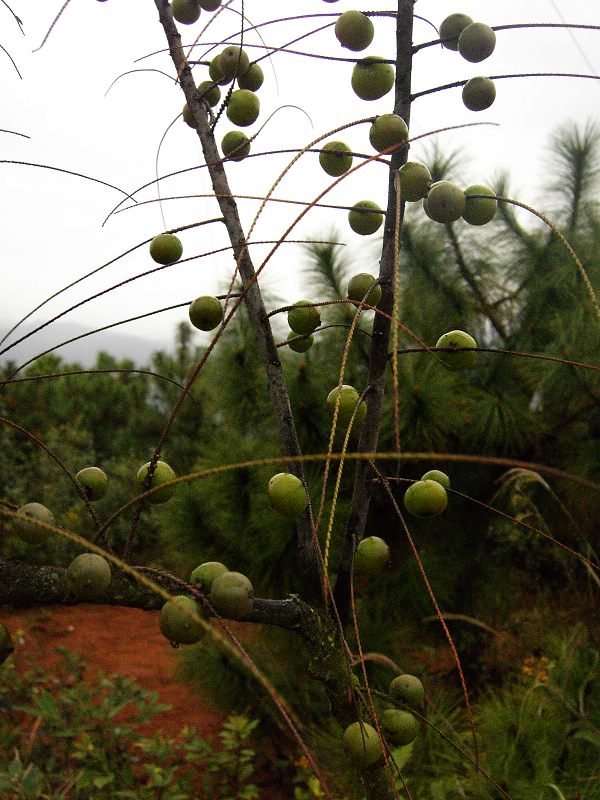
(83,351)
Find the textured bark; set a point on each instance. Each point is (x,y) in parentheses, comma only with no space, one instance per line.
(369,437)
(254,302)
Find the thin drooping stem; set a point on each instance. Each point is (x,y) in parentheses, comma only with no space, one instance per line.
(369,436)
(254,301)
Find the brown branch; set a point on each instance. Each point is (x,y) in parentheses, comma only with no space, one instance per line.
(254,300)
(369,435)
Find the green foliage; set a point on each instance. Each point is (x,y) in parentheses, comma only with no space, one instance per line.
(60,734)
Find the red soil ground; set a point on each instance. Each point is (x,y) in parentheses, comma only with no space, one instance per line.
(113,639)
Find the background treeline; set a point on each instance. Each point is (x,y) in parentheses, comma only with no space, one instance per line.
(516,598)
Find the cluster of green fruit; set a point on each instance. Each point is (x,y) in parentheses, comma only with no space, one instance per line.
(428,496)
(399,726)
(188,11)
(94,483)
(475,41)
(205,312)
(373,76)
(446,203)
(231,596)
(243,105)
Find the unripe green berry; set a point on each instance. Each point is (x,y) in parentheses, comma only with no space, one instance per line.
(203,576)
(165,248)
(179,621)
(205,313)
(462,359)
(298,343)
(162,474)
(478,93)
(364,288)
(476,42)
(407,689)
(372,78)
(303,318)
(287,494)
(335,158)
(437,475)
(445,202)
(88,576)
(354,30)
(252,79)
(425,499)
(452,27)
(388,130)
(235,145)
(243,108)
(479,210)
(365,217)
(415,180)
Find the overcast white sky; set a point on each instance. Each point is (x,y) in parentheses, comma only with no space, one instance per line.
(52,224)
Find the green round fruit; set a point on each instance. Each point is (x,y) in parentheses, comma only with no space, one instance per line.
(407,689)
(400,727)
(165,248)
(232,595)
(479,210)
(243,108)
(478,93)
(209,92)
(372,78)
(185,11)
(437,475)
(445,202)
(361,284)
(162,474)
(215,73)
(452,27)
(94,482)
(388,130)
(362,745)
(187,116)
(299,344)
(463,359)
(354,30)
(371,557)
(415,180)
(205,313)
(178,621)
(365,217)
(349,398)
(252,79)
(233,61)
(210,5)
(203,576)
(334,162)
(303,318)
(28,531)
(287,494)
(6,643)
(476,42)
(88,576)
(235,145)
(425,499)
